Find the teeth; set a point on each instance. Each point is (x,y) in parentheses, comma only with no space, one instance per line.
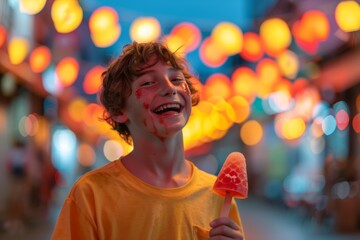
(170,105)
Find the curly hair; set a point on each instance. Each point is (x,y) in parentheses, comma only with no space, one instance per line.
(118,77)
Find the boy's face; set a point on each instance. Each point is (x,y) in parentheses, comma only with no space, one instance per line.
(160,103)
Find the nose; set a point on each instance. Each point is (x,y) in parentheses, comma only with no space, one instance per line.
(168,88)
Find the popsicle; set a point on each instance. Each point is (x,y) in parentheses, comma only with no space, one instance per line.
(232,181)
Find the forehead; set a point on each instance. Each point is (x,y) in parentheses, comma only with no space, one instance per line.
(154,64)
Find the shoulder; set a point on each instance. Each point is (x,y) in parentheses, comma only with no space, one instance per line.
(204,176)
(96,178)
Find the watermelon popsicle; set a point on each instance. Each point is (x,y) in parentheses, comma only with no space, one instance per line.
(232,181)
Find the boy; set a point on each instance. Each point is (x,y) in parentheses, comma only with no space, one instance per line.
(153,192)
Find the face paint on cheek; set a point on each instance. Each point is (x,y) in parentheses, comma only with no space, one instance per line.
(138,93)
(185,88)
(146,106)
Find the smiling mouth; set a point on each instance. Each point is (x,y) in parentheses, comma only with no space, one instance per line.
(168,108)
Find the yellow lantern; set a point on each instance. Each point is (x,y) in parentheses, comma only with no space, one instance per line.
(32,6)
(228,37)
(347,16)
(66,15)
(275,35)
(288,63)
(106,37)
(104,27)
(18,48)
(145,29)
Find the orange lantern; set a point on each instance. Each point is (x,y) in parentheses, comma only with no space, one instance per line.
(92,80)
(18,49)
(67,71)
(217,85)
(40,59)
(190,35)
(3,35)
(210,54)
(252,50)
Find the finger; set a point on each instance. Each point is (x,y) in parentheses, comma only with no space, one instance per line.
(224,221)
(224,231)
(220,238)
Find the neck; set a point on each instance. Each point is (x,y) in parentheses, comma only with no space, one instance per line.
(159,162)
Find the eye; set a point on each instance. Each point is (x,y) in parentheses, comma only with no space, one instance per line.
(178,79)
(146,83)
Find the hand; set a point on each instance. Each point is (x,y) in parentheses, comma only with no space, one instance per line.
(225,228)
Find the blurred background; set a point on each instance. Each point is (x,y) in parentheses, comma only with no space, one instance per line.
(279,80)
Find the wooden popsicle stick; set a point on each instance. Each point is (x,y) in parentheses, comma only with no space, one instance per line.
(226,205)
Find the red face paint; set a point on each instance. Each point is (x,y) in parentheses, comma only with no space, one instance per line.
(138,93)
(146,105)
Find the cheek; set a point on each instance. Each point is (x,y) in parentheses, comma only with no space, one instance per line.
(185,88)
(138,93)
(146,106)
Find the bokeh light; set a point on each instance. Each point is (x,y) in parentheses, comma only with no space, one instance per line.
(268,74)
(271,29)
(145,29)
(217,85)
(228,37)
(288,63)
(113,150)
(244,83)
(104,27)
(40,59)
(76,109)
(86,155)
(356,123)
(67,71)
(3,35)
(347,16)
(32,6)
(251,132)
(241,108)
(189,34)
(93,80)
(329,125)
(66,15)
(18,49)
(252,50)
(210,54)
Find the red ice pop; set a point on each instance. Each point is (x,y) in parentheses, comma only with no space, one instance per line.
(232,180)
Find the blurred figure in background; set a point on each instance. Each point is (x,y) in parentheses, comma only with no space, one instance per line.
(17,163)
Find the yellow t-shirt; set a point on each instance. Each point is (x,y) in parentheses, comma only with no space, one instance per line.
(111,203)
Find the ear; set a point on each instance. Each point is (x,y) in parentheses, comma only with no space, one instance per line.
(121,118)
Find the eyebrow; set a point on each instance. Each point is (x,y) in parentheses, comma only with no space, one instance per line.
(146,71)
